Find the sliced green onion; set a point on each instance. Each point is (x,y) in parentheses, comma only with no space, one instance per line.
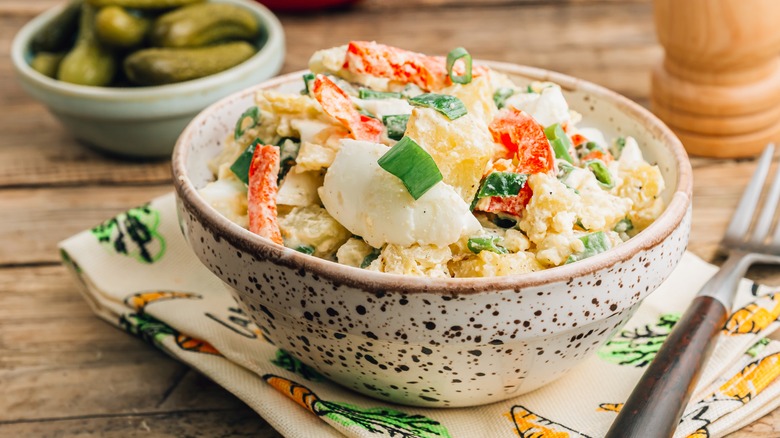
(593,146)
(452,58)
(367,93)
(618,146)
(450,106)
(624,226)
(504,222)
(501,95)
(240,167)
(288,152)
(373,255)
(306,249)
(307,79)
(603,176)
(595,243)
(502,184)
(564,169)
(396,125)
(488,243)
(253,113)
(561,150)
(530,89)
(412,165)
(555,131)
(474,202)
(559,141)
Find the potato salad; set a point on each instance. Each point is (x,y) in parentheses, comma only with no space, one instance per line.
(398,162)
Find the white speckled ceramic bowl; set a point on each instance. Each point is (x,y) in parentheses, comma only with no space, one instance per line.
(143,121)
(438,342)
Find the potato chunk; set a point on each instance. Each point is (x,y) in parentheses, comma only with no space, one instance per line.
(416,260)
(461,147)
(313,226)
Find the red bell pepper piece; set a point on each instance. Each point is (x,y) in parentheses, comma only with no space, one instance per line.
(337,104)
(427,72)
(261,202)
(525,140)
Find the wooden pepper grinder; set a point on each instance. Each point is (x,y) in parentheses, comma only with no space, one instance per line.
(718,86)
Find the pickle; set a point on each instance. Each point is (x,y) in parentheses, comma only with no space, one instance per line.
(116,27)
(142,4)
(159,66)
(59,33)
(204,24)
(47,63)
(89,62)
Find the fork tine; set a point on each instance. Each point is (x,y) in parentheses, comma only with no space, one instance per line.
(761,230)
(740,221)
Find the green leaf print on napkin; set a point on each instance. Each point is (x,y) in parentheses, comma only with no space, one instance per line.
(133,233)
(379,420)
(383,420)
(638,347)
(284,360)
(149,329)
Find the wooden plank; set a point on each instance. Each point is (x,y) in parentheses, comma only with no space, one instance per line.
(34,220)
(767,427)
(57,359)
(46,154)
(238,422)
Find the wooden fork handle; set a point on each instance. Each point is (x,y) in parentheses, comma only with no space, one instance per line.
(657,402)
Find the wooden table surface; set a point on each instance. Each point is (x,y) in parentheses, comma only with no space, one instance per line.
(65,373)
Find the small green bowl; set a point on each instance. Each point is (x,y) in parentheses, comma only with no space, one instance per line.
(143,122)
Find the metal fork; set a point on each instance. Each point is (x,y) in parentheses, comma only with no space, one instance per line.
(659,399)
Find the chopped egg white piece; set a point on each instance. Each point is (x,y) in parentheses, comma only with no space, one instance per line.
(227,196)
(299,188)
(548,107)
(308,129)
(328,60)
(374,204)
(631,156)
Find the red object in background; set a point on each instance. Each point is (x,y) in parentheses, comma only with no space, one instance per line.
(303,5)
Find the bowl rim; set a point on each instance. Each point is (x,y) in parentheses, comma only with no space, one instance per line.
(23,37)
(370,281)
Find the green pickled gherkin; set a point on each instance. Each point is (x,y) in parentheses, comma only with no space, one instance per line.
(203,24)
(159,66)
(89,62)
(47,63)
(116,27)
(58,34)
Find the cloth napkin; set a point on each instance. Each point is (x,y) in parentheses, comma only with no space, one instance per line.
(138,273)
